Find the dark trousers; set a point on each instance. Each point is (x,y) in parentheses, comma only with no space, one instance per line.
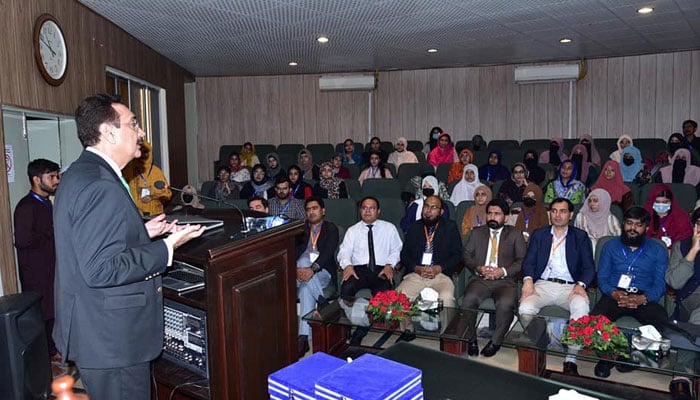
(48,324)
(503,292)
(368,279)
(650,314)
(127,383)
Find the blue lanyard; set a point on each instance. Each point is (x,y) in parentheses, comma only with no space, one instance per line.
(478,221)
(630,265)
(286,206)
(42,200)
(294,193)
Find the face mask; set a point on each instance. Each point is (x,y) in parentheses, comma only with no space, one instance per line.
(428,192)
(530,161)
(187,198)
(529,202)
(553,148)
(679,164)
(662,208)
(628,161)
(672,147)
(436,135)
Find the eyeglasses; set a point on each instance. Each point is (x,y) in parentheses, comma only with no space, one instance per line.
(431,207)
(133,123)
(368,208)
(518,171)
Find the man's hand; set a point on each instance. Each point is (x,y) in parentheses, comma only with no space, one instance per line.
(388,272)
(626,300)
(348,272)
(494,273)
(146,199)
(528,289)
(157,226)
(579,290)
(304,274)
(182,234)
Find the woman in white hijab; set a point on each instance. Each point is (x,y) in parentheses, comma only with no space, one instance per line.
(464,190)
(595,217)
(402,154)
(623,141)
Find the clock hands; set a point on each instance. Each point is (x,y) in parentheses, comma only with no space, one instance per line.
(47,45)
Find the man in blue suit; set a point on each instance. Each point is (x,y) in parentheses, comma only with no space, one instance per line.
(109,307)
(557,269)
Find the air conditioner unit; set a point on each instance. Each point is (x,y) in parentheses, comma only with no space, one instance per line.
(347,82)
(548,73)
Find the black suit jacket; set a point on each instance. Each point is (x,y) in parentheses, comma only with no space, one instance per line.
(109,307)
(447,246)
(326,246)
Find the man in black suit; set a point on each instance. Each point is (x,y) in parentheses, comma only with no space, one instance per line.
(109,307)
(494,253)
(316,266)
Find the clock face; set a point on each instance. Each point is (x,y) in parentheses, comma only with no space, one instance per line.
(50,50)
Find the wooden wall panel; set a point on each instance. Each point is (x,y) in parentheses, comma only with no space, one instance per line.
(681,90)
(630,94)
(614,91)
(647,97)
(664,96)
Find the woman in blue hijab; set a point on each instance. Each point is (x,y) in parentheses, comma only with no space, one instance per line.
(493,170)
(632,166)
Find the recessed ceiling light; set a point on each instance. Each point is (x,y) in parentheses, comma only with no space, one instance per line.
(645,10)
(564,40)
(322,39)
(432,50)
(293,64)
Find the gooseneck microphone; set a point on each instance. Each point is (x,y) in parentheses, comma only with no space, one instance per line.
(244,224)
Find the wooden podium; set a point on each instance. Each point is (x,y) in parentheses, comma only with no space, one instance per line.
(250,303)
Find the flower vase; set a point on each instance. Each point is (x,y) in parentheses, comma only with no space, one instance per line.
(384,323)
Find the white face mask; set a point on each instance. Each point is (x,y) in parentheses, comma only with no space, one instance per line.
(662,208)
(436,135)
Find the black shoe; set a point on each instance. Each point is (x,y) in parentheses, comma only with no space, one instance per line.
(490,349)
(321,302)
(680,389)
(358,335)
(620,367)
(570,369)
(602,369)
(406,336)
(303,345)
(473,348)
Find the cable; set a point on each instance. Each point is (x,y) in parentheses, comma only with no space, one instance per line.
(193,383)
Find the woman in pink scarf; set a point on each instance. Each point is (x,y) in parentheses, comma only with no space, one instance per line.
(681,170)
(610,180)
(444,152)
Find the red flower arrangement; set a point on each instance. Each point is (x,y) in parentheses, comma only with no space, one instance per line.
(391,305)
(598,333)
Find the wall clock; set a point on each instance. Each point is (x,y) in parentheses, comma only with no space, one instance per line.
(50,50)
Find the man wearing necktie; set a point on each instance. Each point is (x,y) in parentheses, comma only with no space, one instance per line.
(494,253)
(368,254)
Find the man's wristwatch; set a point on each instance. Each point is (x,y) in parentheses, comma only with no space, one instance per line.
(583,285)
(315,267)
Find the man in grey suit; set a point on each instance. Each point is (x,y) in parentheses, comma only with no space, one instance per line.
(494,253)
(109,307)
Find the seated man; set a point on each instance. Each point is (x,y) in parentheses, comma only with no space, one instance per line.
(557,269)
(257,203)
(284,205)
(430,254)
(631,273)
(368,254)
(316,268)
(494,253)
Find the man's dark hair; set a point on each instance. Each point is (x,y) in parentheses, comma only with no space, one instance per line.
(39,167)
(281,179)
(223,168)
(256,198)
(316,199)
(442,203)
(260,167)
(696,216)
(92,112)
(636,212)
(233,153)
(500,203)
(691,122)
(369,198)
(563,200)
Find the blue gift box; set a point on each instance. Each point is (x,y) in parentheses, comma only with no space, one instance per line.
(297,380)
(370,377)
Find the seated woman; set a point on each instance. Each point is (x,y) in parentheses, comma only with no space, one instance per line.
(535,172)
(534,213)
(593,156)
(512,189)
(273,166)
(429,186)
(432,142)
(349,154)
(633,168)
(565,185)
(669,222)
(457,170)
(444,152)
(402,154)
(239,173)
(340,170)
(330,187)
(248,156)
(476,214)
(623,141)
(595,217)
(375,169)
(556,154)
(259,186)
(585,171)
(681,170)
(224,188)
(464,190)
(678,141)
(611,181)
(493,170)
(309,170)
(298,188)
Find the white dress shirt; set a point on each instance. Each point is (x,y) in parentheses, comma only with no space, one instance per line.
(354,248)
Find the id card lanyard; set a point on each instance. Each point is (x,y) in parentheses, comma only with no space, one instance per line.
(428,257)
(627,278)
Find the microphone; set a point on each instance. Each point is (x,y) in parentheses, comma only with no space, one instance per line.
(244,224)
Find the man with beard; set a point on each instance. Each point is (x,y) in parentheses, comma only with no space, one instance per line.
(34,240)
(494,254)
(282,204)
(431,251)
(631,272)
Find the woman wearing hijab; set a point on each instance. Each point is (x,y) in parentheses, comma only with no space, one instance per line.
(306,163)
(556,154)
(512,189)
(537,174)
(669,222)
(595,217)
(429,187)
(340,170)
(593,156)
(611,181)
(401,154)
(239,173)
(464,190)
(375,169)
(432,142)
(633,169)
(584,171)
(678,141)
(493,170)
(476,215)
(330,187)
(444,152)
(259,185)
(457,170)
(248,156)
(350,156)
(681,170)
(565,185)
(298,188)
(623,141)
(273,166)
(533,214)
